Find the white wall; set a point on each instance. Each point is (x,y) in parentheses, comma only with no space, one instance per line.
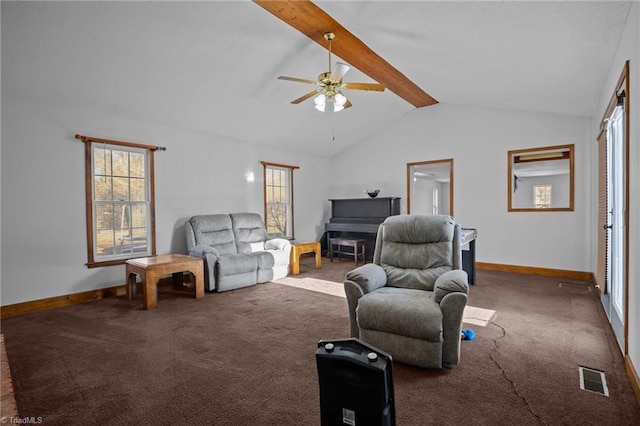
(560,190)
(443,195)
(43,217)
(43,212)
(478,139)
(628,49)
(422,196)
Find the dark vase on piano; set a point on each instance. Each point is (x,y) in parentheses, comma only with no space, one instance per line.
(372,193)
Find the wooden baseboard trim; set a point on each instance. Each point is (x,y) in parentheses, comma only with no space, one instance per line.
(88,296)
(633,377)
(59,301)
(547,272)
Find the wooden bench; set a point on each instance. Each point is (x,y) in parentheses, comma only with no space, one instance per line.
(357,245)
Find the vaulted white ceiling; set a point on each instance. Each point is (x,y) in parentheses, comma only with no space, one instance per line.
(212,66)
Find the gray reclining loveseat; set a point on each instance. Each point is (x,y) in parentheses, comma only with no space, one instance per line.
(236,250)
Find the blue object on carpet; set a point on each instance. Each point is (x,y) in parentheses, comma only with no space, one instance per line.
(468,334)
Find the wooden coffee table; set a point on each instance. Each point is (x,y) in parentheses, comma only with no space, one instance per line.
(151,269)
(298,249)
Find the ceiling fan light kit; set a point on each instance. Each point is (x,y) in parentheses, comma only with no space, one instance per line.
(328,97)
(338,101)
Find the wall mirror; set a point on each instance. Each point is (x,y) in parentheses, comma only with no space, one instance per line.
(541,179)
(430,187)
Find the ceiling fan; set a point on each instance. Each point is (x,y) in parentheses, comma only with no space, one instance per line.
(328,96)
(310,20)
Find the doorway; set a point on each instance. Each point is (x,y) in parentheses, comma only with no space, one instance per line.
(613,211)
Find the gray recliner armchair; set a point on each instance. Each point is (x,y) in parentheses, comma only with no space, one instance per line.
(410,301)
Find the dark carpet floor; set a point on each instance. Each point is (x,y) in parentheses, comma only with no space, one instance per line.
(247,357)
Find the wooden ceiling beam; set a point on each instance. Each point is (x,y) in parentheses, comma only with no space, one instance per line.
(313,22)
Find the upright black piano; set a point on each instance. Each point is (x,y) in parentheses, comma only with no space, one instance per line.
(359,218)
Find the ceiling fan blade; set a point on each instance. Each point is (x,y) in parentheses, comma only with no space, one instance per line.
(299,80)
(339,71)
(305,97)
(347,104)
(364,86)
(313,22)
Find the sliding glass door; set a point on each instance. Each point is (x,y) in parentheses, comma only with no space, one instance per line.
(616,189)
(613,215)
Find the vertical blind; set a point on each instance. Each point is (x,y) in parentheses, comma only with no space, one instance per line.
(601,270)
